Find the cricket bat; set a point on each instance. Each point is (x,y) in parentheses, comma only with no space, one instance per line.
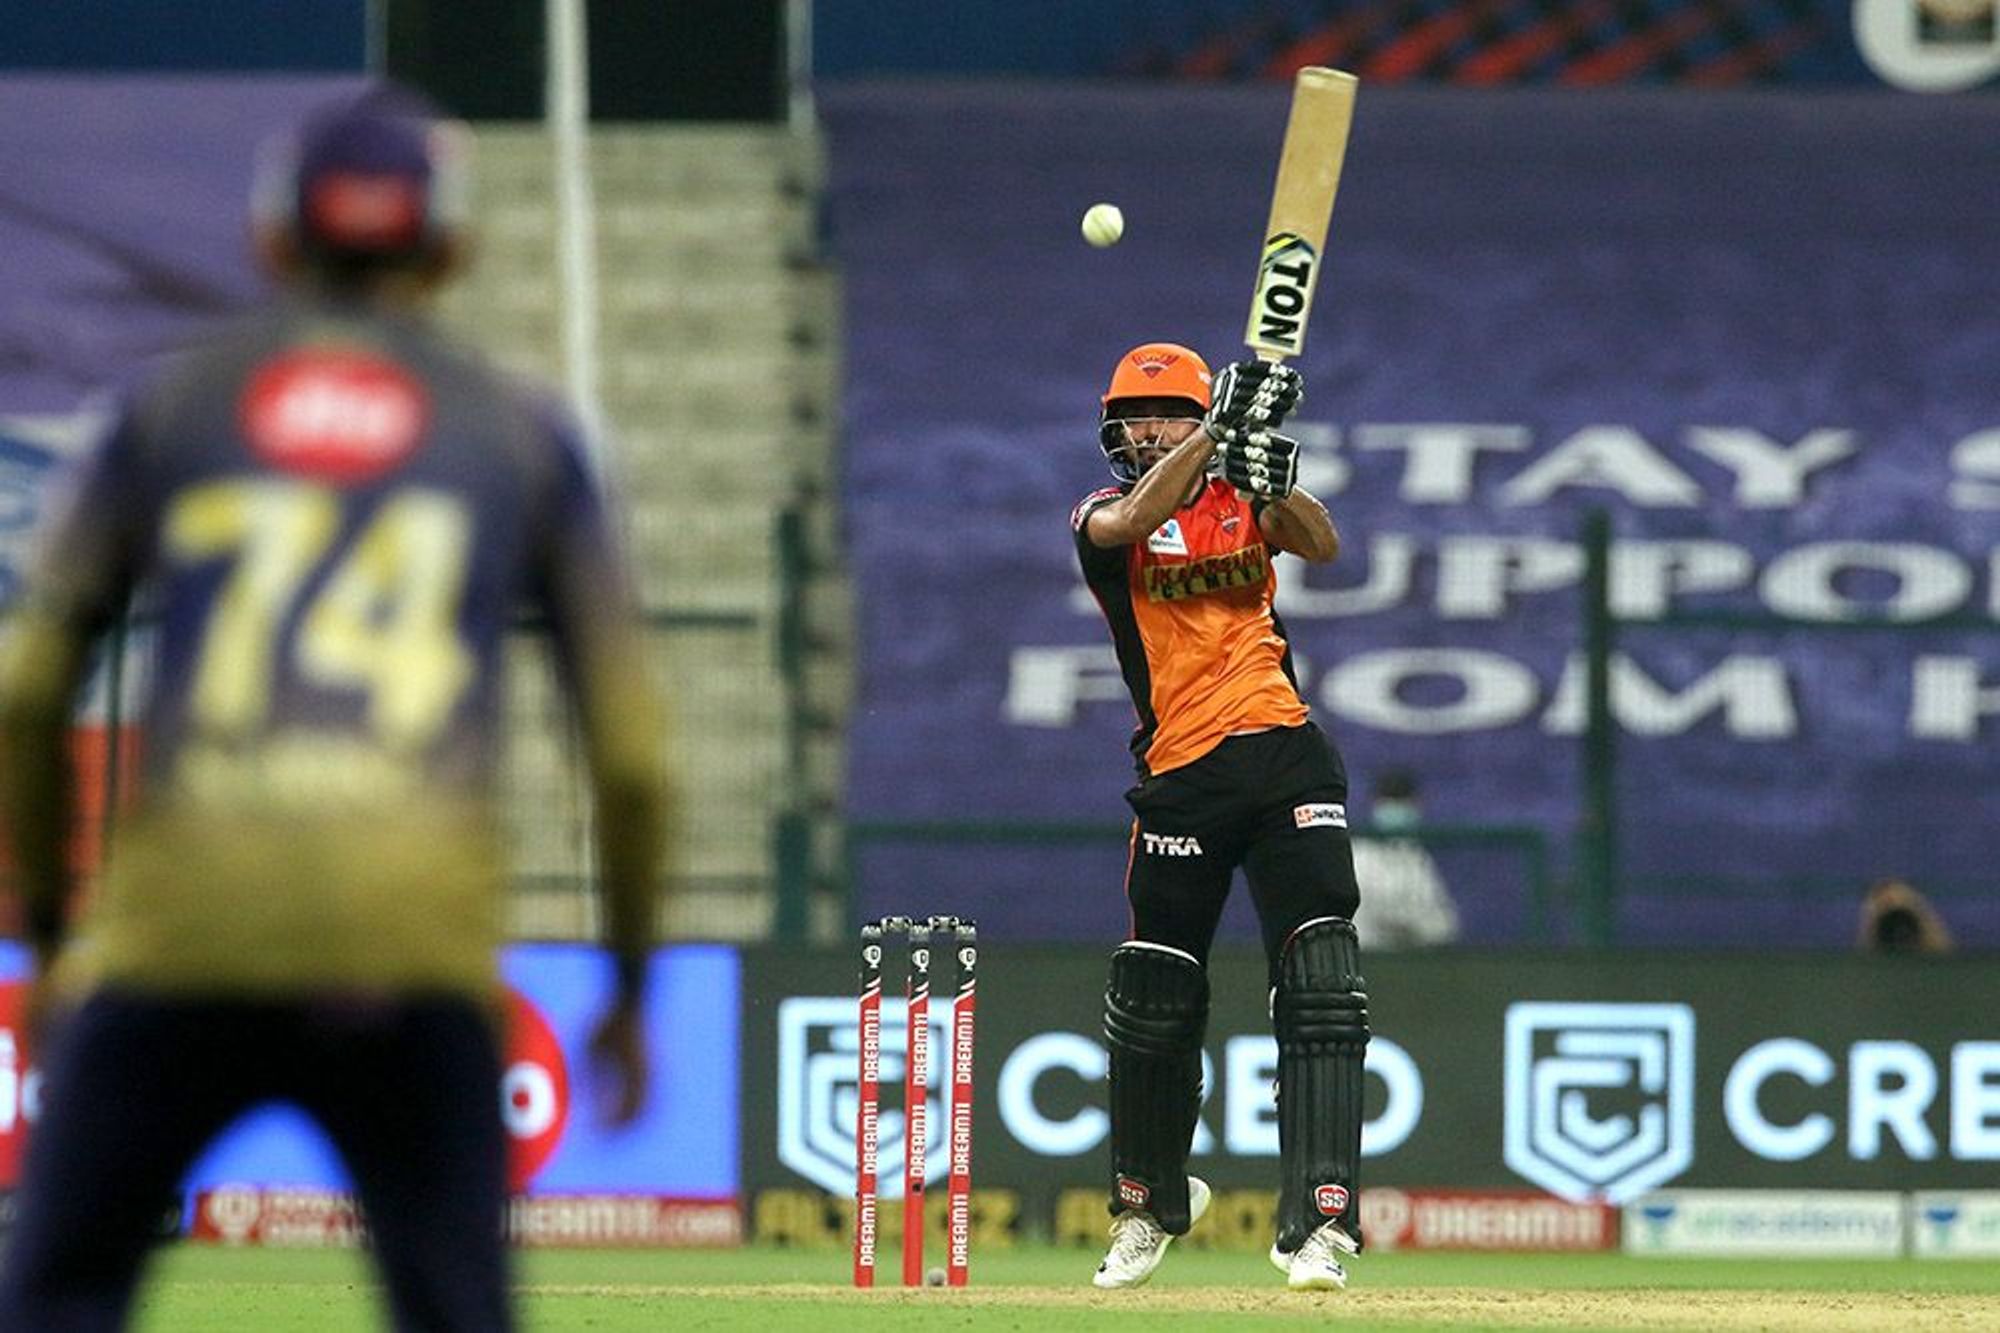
(1301,203)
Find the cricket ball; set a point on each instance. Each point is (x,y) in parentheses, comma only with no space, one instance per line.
(1103,224)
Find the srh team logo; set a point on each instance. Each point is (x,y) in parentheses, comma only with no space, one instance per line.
(819,1094)
(1600,1097)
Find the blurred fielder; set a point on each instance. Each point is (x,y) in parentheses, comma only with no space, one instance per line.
(336,516)
(1231,772)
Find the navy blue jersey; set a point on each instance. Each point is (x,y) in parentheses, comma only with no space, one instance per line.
(334,516)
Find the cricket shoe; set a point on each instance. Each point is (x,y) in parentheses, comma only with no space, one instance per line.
(1138,1242)
(1315,1265)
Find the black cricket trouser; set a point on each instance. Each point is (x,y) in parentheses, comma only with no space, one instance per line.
(1273,802)
(137,1085)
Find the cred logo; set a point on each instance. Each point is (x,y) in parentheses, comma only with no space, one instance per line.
(1600,1097)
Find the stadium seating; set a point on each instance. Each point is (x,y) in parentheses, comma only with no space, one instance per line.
(718,384)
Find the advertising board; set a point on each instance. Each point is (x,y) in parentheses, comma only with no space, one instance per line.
(670,1178)
(1590,1080)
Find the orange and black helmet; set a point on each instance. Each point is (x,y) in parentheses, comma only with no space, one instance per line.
(1160,370)
(1149,371)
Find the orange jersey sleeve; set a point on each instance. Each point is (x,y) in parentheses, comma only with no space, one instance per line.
(1201,649)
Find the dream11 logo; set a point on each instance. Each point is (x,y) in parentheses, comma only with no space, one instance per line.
(1600,1097)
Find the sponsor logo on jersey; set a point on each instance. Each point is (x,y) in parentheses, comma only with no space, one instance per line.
(1133,1193)
(1331,1200)
(1328,814)
(1236,569)
(1167,539)
(338,414)
(1171,844)
(1230,522)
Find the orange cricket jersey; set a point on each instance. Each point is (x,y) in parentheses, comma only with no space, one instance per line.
(1202,651)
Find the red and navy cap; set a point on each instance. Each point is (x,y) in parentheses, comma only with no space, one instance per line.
(379,175)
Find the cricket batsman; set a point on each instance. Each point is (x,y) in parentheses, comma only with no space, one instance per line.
(1180,556)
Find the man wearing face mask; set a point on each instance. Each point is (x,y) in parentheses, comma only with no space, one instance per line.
(1404,901)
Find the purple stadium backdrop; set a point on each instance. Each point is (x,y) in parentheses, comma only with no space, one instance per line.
(122,219)
(1762,331)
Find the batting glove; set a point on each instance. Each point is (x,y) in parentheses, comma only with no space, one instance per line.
(1260,463)
(1251,396)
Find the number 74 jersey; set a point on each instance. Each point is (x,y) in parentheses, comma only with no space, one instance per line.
(333,519)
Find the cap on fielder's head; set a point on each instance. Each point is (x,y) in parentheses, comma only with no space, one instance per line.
(377,176)
(1160,370)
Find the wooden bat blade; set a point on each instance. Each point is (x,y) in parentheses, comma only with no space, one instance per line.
(1301,204)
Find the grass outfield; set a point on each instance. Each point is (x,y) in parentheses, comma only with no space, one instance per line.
(199,1287)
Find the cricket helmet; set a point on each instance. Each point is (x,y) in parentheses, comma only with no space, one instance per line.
(1150,370)
(378,176)
(1160,370)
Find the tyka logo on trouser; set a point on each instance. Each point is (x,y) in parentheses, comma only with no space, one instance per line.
(1171,844)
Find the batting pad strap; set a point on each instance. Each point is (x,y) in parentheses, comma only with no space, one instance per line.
(1157,1002)
(1322,955)
(1155,1014)
(1309,1020)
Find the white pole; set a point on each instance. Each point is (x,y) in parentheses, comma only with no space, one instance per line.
(798,65)
(566,105)
(375,39)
